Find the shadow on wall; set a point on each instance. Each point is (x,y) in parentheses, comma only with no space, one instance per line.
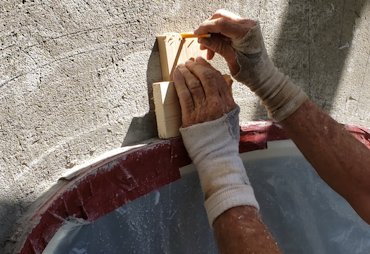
(9,213)
(145,127)
(313,46)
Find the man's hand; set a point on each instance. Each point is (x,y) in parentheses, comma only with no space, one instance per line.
(226,28)
(203,92)
(240,42)
(211,136)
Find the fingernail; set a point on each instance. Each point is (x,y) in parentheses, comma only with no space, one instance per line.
(189,61)
(199,59)
(178,67)
(176,74)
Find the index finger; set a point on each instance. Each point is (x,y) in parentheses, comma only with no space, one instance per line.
(227,24)
(226,14)
(221,25)
(207,75)
(185,99)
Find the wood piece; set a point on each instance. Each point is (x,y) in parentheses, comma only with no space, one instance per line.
(174,50)
(167,109)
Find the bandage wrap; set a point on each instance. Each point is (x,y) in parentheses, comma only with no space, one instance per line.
(278,93)
(214,148)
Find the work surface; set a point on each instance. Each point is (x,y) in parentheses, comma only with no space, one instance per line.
(303,213)
(75,76)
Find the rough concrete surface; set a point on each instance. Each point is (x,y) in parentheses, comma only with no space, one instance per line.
(75,76)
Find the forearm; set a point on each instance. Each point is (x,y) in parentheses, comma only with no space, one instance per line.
(341,160)
(241,230)
(229,199)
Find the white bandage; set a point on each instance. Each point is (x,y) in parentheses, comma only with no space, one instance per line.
(278,93)
(214,148)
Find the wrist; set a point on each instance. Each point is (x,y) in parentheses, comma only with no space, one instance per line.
(209,139)
(278,93)
(214,148)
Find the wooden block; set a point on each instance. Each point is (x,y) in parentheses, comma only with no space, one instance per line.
(167,109)
(174,50)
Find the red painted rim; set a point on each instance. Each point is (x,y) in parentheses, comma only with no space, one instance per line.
(101,189)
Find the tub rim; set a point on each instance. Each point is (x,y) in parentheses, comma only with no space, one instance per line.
(117,178)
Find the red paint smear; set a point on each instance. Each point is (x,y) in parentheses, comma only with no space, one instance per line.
(103,189)
(256,136)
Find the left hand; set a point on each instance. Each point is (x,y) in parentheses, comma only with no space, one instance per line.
(203,92)
(227,29)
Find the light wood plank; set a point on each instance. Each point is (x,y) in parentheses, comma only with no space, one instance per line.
(174,50)
(167,109)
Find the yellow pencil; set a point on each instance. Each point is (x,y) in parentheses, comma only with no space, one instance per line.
(192,35)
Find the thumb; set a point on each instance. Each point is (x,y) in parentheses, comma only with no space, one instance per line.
(218,45)
(222,47)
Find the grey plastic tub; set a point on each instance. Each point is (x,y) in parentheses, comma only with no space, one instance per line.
(303,213)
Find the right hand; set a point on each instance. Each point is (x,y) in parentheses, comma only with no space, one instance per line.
(226,28)
(240,42)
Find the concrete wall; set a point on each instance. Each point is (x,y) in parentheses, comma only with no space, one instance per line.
(75,76)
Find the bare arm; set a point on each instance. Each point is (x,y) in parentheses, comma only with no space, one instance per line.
(341,160)
(241,230)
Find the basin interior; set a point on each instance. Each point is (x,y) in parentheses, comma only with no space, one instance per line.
(303,213)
